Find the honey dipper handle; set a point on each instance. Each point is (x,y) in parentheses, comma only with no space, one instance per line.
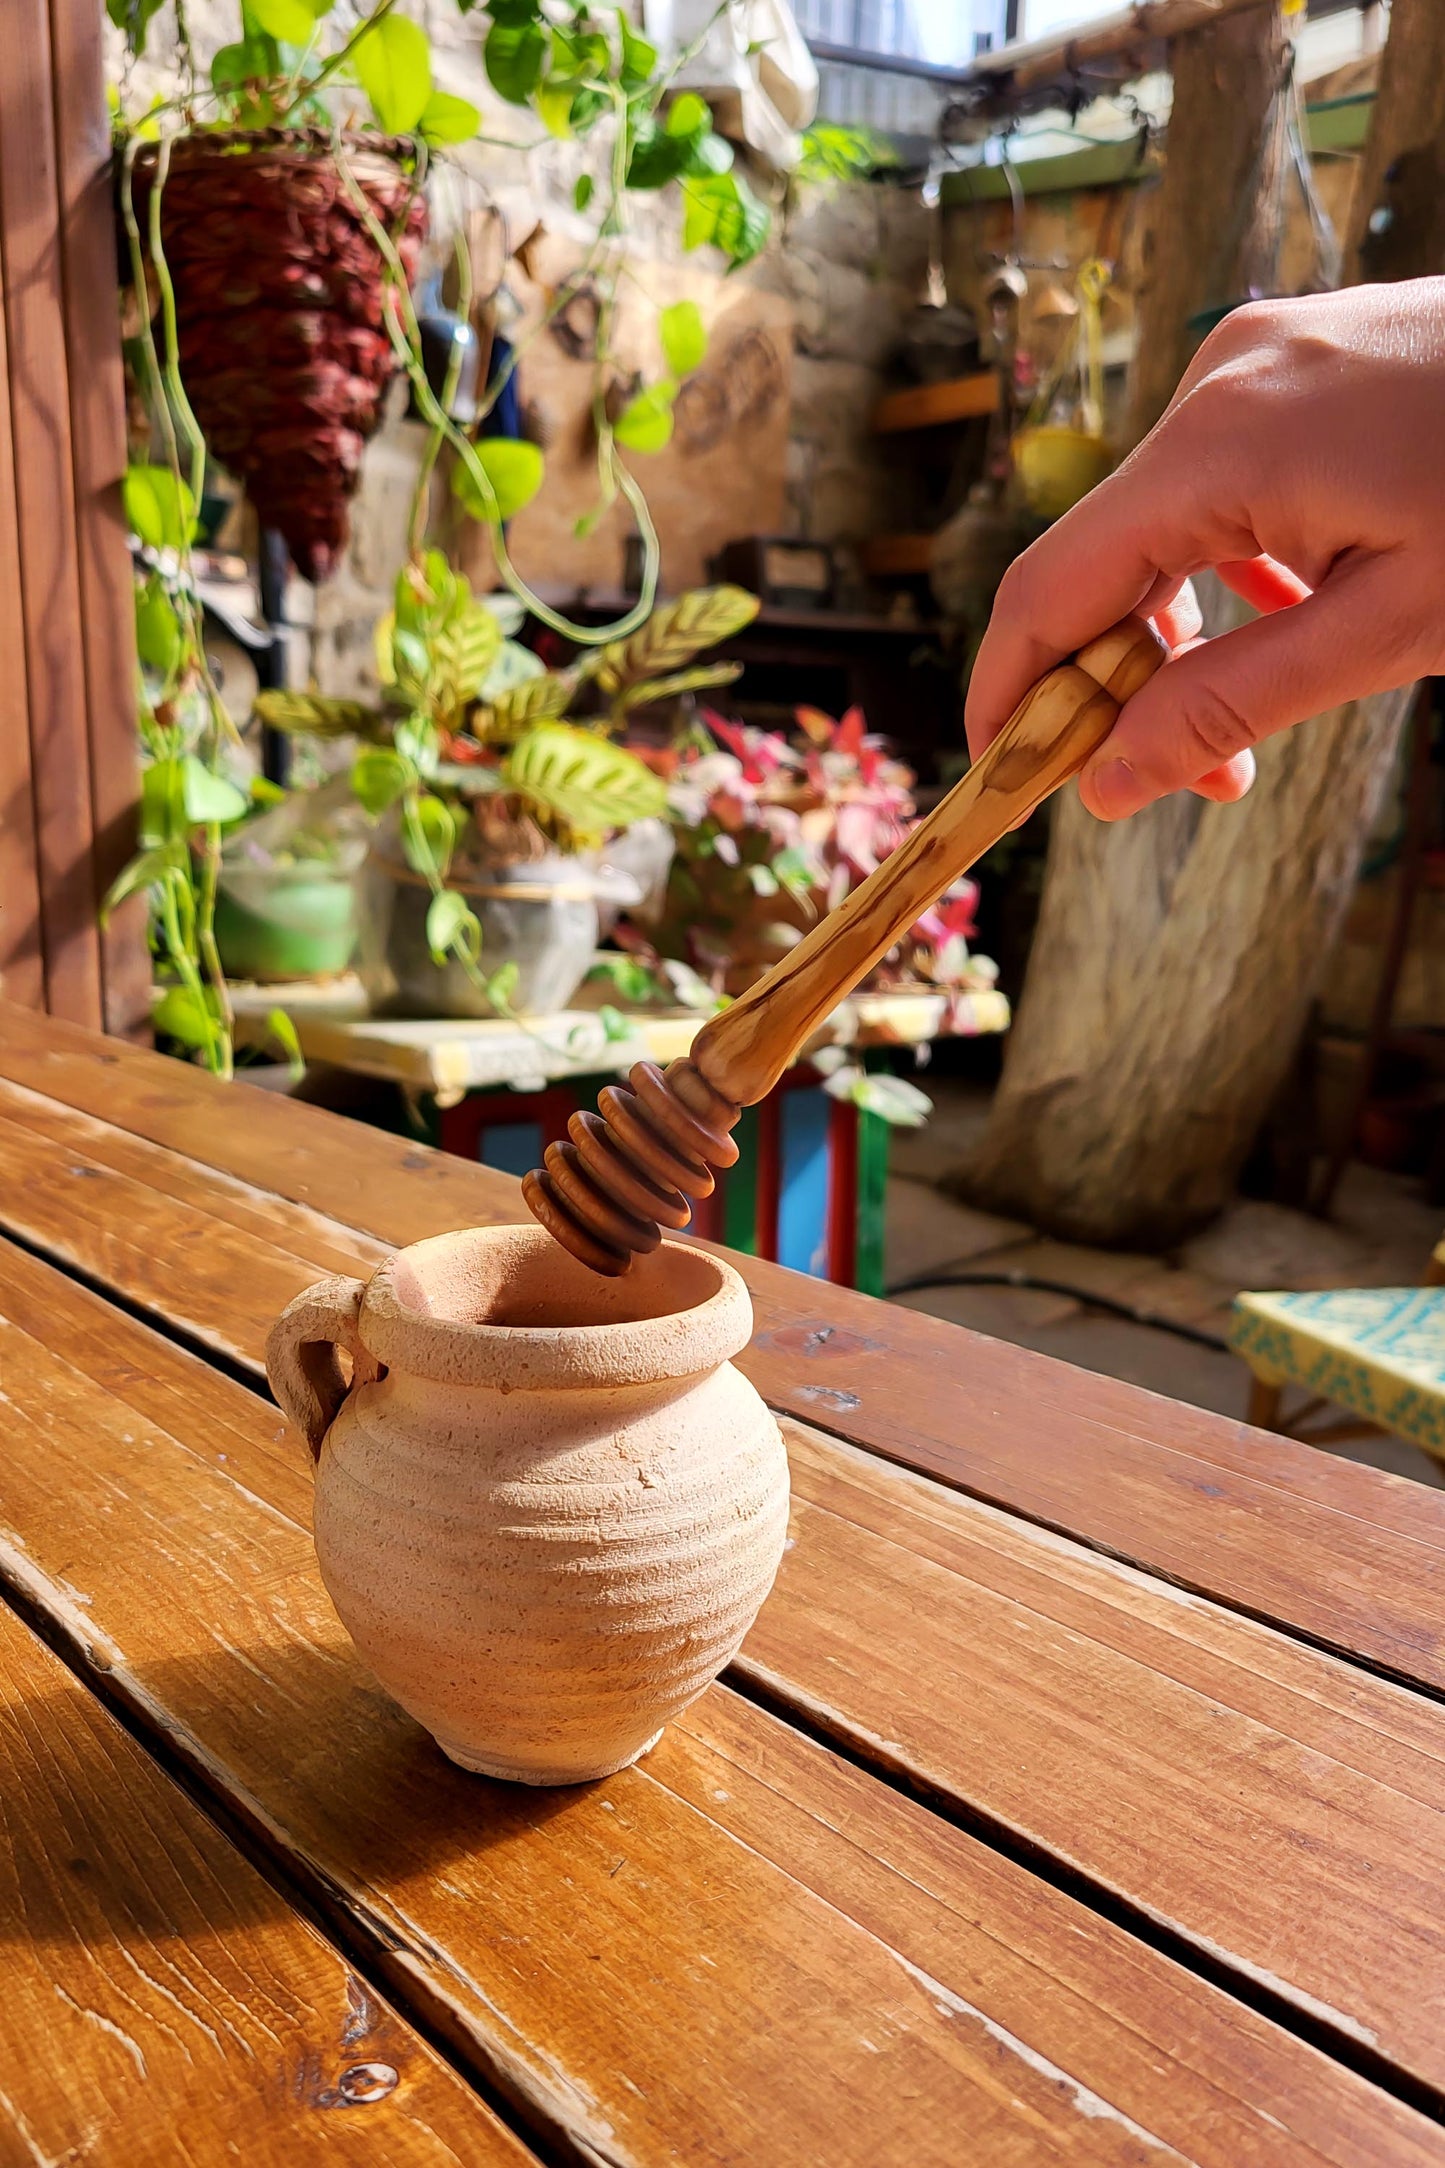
(1048,738)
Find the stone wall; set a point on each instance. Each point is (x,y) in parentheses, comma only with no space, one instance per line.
(853,262)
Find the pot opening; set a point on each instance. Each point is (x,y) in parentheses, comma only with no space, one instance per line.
(518,1278)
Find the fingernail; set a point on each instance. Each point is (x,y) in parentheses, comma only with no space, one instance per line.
(1116,790)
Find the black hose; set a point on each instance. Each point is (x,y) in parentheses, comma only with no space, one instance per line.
(1060,1287)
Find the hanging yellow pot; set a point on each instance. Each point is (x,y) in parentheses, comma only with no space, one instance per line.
(1059,461)
(1057,466)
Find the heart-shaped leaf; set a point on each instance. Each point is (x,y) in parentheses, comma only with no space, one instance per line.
(158,637)
(446,119)
(514,469)
(378,778)
(684,337)
(638,58)
(133,17)
(177,1015)
(722,212)
(393,66)
(293,20)
(688,115)
(516,54)
(450,921)
(645,423)
(429,836)
(160,507)
(253,59)
(208,798)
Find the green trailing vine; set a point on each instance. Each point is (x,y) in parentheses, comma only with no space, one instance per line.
(185,803)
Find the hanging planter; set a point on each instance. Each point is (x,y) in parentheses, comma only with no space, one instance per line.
(282,345)
(1061,452)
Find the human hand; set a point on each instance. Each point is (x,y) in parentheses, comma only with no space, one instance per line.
(1303,460)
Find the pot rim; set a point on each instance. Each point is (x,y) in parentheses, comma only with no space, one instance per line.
(298,144)
(399,1330)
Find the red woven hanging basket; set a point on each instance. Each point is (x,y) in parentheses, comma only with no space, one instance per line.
(279,287)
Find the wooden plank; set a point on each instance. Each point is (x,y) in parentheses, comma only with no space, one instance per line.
(49,578)
(22,960)
(1342,1554)
(212,1255)
(161,1999)
(924,406)
(1262,1802)
(740,1951)
(95,382)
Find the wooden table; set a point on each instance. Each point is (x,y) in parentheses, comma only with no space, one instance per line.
(1076,1798)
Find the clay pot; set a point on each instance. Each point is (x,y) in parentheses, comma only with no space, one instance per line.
(547,1507)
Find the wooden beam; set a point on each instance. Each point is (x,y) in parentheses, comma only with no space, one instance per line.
(1026,65)
(22,960)
(923,406)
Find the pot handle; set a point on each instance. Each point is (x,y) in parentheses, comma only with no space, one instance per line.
(301,1356)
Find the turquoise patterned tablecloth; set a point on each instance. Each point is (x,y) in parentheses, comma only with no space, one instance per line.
(1379,1351)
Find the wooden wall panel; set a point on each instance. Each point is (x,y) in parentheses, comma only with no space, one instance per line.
(66,653)
(98,455)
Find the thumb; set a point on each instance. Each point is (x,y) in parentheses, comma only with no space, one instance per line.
(1207,707)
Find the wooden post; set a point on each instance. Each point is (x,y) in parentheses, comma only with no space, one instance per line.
(1217,183)
(1401,191)
(67,703)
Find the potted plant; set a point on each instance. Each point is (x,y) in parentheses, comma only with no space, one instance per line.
(494,784)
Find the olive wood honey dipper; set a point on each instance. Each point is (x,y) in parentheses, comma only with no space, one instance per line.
(624,1177)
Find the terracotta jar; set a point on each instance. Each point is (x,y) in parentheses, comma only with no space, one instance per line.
(547,1506)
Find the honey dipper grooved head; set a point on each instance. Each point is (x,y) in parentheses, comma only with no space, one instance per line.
(630,1170)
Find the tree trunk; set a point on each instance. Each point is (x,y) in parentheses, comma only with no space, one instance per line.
(1173,966)
(1401,190)
(1219,181)
(1176,953)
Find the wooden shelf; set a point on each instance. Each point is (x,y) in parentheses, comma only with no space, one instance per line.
(897,556)
(959,399)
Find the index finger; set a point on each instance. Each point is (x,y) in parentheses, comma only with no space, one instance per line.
(1067,588)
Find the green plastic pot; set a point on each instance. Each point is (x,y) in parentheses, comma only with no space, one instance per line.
(286,923)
